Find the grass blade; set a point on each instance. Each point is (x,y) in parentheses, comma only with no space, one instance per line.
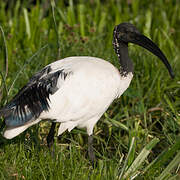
(141,158)
(6,52)
(56,29)
(102,22)
(71,14)
(148,21)
(162,159)
(28,30)
(117,123)
(126,161)
(5,87)
(167,171)
(81,8)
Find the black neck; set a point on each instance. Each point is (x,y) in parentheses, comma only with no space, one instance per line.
(121,50)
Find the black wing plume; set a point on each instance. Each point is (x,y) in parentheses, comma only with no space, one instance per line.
(33,98)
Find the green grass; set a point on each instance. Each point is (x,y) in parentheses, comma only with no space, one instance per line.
(139,136)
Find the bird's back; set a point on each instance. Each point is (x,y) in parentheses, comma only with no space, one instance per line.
(91,86)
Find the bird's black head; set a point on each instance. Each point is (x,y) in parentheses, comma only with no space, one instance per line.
(126,32)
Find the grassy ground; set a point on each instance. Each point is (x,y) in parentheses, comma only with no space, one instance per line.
(139,136)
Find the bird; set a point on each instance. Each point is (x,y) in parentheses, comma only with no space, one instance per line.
(76,91)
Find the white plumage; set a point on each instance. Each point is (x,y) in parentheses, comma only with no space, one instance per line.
(76,91)
(82,98)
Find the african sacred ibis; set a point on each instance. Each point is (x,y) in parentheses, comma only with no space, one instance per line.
(76,91)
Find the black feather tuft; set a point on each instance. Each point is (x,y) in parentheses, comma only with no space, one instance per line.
(33,98)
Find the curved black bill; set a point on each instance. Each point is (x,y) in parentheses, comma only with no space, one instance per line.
(146,43)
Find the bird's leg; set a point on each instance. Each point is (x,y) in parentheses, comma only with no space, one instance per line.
(91,150)
(50,137)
